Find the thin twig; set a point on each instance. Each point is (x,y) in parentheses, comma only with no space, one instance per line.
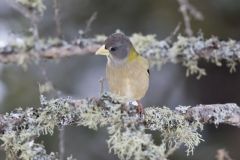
(57,18)
(89,23)
(34,30)
(187,11)
(101,82)
(174,33)
(61,145)
(222,154)
(33,17)
(23,10)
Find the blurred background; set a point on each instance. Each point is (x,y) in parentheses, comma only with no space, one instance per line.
(79,76)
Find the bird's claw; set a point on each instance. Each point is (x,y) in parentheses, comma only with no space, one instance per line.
(140,109)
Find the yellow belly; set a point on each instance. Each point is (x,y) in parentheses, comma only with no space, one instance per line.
(130,80)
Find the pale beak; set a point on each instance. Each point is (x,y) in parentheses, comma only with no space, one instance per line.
(102,51)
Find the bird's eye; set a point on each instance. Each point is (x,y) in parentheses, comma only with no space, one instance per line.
(113,48)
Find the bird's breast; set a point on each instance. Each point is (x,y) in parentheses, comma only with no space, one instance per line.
(129,80)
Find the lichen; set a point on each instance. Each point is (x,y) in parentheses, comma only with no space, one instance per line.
(128,136)
(37,5)
(18,137)
(133,143)
(18,141)
(174,129)
(193,68)
(154,50)
(46,87)
(188,51)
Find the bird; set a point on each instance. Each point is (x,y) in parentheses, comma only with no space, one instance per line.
(127,72)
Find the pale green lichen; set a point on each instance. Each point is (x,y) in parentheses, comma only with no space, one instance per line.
(128,132)
(19,144)
(134,143)
(173,128)
(46,87)
(142,42)
(18,139)
(151,48)
(161,52)
(185,50)
(193,68)
(188,51)
(37,5)
(91,116)
(232,64)
(128,137)
(100,38)
(71,158)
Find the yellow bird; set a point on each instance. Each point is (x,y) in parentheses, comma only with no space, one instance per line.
(127,72)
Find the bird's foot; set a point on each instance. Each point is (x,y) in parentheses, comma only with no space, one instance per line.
(140,109)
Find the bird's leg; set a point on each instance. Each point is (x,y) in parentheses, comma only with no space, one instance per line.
(140,109)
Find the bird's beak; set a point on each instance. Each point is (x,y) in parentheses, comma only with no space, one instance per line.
(102,51)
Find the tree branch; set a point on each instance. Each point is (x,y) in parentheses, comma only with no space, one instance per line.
(222,154)
(187,10)
(61,139)
(124,125)
(185,50)
(228,113)
(57,18)
(22,54)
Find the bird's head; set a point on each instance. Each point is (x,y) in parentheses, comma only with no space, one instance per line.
(117,47)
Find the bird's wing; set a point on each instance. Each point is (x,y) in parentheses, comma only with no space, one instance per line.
(144,62)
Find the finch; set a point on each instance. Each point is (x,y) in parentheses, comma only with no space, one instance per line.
(127,72)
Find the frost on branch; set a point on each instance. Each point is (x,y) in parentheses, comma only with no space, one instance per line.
(127,132)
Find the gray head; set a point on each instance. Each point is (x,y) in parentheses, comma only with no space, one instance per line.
(118,45)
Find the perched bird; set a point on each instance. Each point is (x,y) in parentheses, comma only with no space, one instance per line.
(127,72)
